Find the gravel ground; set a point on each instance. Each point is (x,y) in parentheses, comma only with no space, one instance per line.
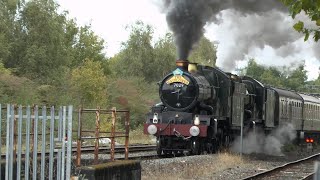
(216,166)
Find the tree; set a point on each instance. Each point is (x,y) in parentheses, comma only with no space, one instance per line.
(271,77)
(284,77)
(7,14)
(39,51)
(87,46)
(164,56)
(89,83)
(39,42)
(297,78)
(254,70)
(136,57)
(312,9)
(204,53)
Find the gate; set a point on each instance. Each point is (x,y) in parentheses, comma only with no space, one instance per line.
(34,141)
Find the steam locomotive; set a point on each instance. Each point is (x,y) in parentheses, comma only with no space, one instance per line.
(203,108)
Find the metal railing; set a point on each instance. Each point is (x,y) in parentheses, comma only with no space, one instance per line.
(97,132)
(26,134)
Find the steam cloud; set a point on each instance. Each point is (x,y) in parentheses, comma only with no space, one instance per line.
(251,24)
(258,142)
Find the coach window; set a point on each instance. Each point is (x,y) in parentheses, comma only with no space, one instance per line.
(312,111)
(288,107)
(285,107)
(293,108)
(315,112)
(306,111)
(309,115)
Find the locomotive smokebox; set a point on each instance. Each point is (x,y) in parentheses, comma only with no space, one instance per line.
(182,64)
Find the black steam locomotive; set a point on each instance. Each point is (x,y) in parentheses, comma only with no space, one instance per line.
(202,108)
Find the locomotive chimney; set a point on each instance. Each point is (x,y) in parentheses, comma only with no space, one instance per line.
(182,64)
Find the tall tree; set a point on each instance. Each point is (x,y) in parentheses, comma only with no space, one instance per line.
(88,46)
(164,55)
(254,70)
(7,26)
(287,77)
(41,45)
(136,57)
(271,76)
(297,78)
(39,42)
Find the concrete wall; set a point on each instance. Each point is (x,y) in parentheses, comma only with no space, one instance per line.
(123,170)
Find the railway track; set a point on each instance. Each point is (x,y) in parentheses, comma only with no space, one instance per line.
(118,149)
(106,150)
(300,169)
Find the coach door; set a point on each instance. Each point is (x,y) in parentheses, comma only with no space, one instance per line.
(270,108)
(238,103)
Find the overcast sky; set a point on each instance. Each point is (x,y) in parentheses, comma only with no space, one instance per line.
(234,32)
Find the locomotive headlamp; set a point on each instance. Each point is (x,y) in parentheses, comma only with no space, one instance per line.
(152,129)
(196,120)
(155,118)
(194,131)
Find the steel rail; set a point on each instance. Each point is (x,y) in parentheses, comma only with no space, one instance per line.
(118,149)
(273,172)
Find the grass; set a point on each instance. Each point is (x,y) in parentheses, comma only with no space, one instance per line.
(137,137)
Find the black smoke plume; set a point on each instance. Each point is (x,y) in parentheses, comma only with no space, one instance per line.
(187,18)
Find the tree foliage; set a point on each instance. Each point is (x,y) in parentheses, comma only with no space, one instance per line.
(204,53)
(38,42)
(136,57)
(164,56)
(312,9)
(89,83)
(290,77)
(143,58)
(87,45)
